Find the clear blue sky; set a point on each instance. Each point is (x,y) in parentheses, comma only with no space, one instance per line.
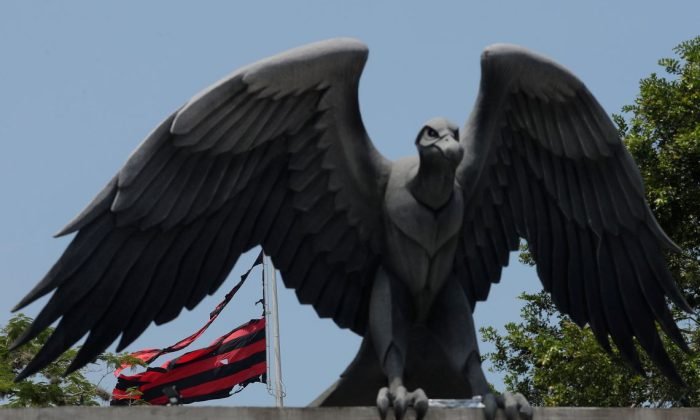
(81,83)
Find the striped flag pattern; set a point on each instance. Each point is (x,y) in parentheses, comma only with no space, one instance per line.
(237,358)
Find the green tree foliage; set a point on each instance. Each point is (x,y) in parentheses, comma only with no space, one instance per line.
(49,387)
(551,360)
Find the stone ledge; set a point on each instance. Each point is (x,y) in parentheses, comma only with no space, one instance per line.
(334,413)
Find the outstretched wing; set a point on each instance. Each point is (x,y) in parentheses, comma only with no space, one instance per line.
(544,162)
(275,154)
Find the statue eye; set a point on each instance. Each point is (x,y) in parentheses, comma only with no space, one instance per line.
(431,133)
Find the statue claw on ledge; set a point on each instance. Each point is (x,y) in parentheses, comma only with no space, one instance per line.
(515,406)
(400,400)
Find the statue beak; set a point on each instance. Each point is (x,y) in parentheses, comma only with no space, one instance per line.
(449,148)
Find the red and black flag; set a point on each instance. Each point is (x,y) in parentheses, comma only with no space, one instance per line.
(237,358)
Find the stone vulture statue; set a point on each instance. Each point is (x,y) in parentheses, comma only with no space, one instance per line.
(276,155)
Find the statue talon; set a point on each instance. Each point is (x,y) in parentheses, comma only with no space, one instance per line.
(514,405)
(383,402)
(400,399)
(490,406)
(420,403)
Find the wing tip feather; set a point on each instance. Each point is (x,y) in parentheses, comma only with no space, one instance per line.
(46,285)
(97,206)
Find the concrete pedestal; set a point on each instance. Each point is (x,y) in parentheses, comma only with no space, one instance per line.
(340,413)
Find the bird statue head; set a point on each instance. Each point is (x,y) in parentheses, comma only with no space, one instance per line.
(438,140)
(440,154)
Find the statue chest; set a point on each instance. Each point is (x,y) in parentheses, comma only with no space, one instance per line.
(421,242)
(429,229)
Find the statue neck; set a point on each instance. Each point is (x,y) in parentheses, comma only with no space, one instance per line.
(433,184)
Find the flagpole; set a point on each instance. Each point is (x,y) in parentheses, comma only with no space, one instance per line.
(272,308)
